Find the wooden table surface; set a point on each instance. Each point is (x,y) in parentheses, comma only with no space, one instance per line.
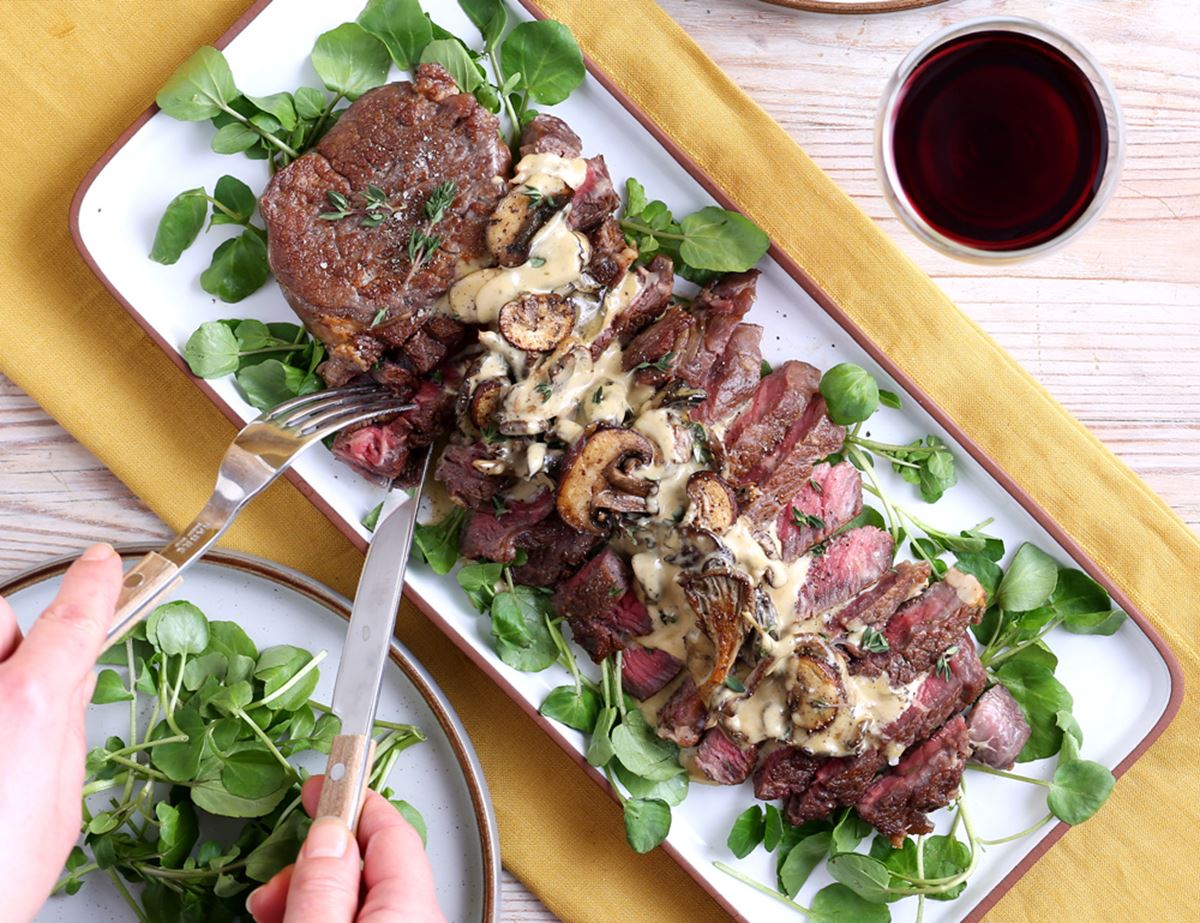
(1110,324)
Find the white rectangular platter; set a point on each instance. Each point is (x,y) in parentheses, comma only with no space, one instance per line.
(116,215)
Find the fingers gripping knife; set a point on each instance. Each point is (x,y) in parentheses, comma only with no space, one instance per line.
(260,452)
(360,672)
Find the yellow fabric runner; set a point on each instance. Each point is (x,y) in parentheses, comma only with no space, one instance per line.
(77,73)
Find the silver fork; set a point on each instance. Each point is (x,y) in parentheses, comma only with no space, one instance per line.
(265,448)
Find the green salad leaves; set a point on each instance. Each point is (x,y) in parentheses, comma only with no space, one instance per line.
(271,363)
(199,801)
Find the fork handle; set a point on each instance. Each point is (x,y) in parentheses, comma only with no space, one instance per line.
(350,760)
(146,581)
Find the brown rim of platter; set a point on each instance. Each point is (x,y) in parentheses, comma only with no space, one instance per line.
(416,674)
(876,6)
(827,304)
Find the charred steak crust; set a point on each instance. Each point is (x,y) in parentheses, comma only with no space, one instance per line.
(405,138)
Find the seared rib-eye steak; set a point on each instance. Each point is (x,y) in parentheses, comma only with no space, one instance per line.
(406,139)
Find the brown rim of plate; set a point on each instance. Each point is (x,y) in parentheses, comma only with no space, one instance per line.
(828,6)
(843,320)
(401,656)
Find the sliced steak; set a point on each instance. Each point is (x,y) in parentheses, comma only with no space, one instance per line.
(492,534)
(720,307)
(668,336)
(875,605)
(735,377)
(684,716)
(852,561)
(611,254)
(997,728)
(596,199)
(392,450)
(554,550)
(724,761)
(940,696)
(655,282)
(406,139)
(926,778)
(548,134)
(829,499)
(837,782)
(600,605)
(465,484)
(756,435)
(646,670)
(784,771)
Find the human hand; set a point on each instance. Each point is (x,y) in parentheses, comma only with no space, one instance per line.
(384,877)
(46,682)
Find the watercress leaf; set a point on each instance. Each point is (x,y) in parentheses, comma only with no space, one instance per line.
(945,857)
(600,748)
(1070,728)
(438,542)
(849,831)
(231,698)
(747,832)
(401,26)
(147,679)
(1081,601)
(455,58)
(239,268)
(982,568)
(349,60)
(280,106)
(277,664)
(576,708)
(1096,623)
(201,87)
(519,626)
(1029,580)
(211,351)
(479,583)
(837,903)
(110,688)
(239,199)
(178,830)
(865,876)
(489,17)
(234,138)
(722,241)
(269,383)
(180,761)
(229,638)
(772,828)
(1041,697)
(413,816)
(251,773)
(310,102)
(251,334)
(635,198)
(211,796)
(850,393)
(198,669)
(179,226)
(673,790)
(647,823)
(1078,790)
(937,476)
(889,399)
(868,517)
(642,751)
(180,628)
(102,823)
(800,861)
(545,54)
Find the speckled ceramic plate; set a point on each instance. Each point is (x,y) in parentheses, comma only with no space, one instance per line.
(440,777)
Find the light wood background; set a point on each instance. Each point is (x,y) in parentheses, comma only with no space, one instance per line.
(1110,324)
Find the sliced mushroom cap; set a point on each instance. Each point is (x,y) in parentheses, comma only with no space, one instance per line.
(713,502)
(814,687)
(537,323)
(598,478)
(484,401)
(723,601)
(517,217)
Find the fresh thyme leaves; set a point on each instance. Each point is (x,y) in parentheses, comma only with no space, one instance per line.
(705,243)
(439,201)
(339,206)
(800,518)
(598,395)
(537,262)
(615,591)
(545,391)
(942,667)
(700,448)
(371,520)
(816,487)
(537,197)
(735,684)
(378,318)
(662,363)
(499,507)
(214,759)
(873,641)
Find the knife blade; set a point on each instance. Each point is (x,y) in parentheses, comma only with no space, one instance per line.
(364,656)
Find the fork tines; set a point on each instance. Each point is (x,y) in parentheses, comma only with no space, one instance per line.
(323,412)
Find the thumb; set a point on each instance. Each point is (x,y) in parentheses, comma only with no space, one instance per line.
(325,881)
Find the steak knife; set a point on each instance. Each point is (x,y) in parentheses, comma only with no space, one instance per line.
(360,672)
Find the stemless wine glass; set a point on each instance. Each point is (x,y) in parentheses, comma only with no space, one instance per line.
(952,181)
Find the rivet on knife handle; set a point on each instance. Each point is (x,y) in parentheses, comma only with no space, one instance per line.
(150,578)
(346,772)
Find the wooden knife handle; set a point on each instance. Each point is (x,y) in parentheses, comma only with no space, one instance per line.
(151,577)
(346,772)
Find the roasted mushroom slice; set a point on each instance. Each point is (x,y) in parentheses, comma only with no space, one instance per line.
(485,400)
(814,687)
(724,602)
(519,215)
(537,323)
(598,478)
(713,503)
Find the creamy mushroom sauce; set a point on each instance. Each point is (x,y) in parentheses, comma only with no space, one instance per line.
(549,401)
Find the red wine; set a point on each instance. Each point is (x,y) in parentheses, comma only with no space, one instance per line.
(999,141)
